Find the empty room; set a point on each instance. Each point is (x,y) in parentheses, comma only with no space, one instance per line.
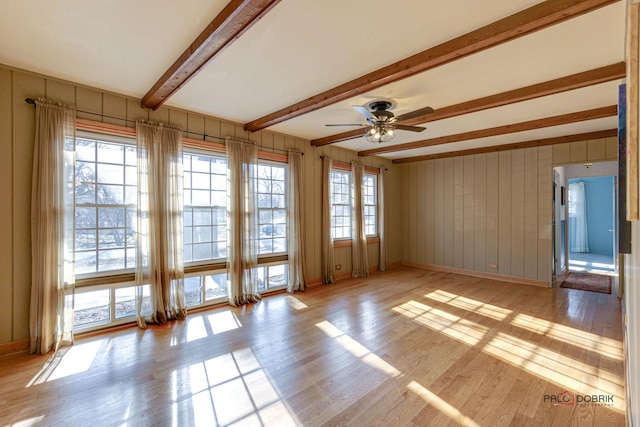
(279,212)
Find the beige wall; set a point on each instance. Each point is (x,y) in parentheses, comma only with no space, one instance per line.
(472,211)
(16,145)
(632,326)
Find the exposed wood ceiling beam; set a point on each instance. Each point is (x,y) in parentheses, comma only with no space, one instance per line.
(551,87)
(514,146)
(236,18)
(527,21)
(563,119)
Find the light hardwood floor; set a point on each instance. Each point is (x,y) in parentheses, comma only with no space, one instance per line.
(407,347)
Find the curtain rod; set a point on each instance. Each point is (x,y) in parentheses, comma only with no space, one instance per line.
(350,163)
(203,135)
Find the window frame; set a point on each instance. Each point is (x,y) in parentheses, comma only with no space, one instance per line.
(349,206)
(374,206)
(208,261)
(269,255)
(108,139)
(346,168)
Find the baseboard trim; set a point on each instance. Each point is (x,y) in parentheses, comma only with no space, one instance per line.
(14,347)
(480,274)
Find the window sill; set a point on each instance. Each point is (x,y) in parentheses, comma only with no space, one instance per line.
(345,243)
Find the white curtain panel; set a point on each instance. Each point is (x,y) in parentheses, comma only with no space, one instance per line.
(382,225)
(242,254)
(326,256)
(359,256)
(578,237)
(159,258)
(52,227)
(295,241)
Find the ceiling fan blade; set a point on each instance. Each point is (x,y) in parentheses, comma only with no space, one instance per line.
(365,112)
(347,124)
(410,128)
(417,113)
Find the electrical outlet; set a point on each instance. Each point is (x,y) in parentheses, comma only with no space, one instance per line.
(494,266)
(338,266)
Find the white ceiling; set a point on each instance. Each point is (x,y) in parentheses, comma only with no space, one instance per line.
(304,47)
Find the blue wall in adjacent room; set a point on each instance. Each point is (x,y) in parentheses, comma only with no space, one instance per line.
(599,193)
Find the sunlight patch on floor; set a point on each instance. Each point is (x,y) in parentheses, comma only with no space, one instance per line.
(534,359)
(441,405)
(453,326)
(373,360)
(586,340)
(223,321)
(295,302)
(68,361)
(357,349)
(488,310)
(195,328)
(34,421)
(574,375)
(233,388)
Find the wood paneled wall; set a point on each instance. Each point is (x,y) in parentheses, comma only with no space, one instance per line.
(488,213)
(16,144)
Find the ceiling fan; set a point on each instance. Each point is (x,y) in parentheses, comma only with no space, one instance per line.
(382,123)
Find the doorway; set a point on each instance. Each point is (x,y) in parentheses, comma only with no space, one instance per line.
(584,219)
(591,214)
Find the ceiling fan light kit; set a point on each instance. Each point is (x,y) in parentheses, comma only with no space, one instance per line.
(380,133)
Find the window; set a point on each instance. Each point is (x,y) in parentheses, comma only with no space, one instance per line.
(108,304)
(205,207)
(272,211)
(106,198)
(209,287)
(370,194)
(106,203)
(340,204)
(272,277)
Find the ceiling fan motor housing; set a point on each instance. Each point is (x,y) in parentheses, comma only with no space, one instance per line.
(379,109)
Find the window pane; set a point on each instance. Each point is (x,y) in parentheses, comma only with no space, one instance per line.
(200,163)
(215,286)
(110,194)
(131,156)
(110,174)
(200,198)
(85,239)
(277,276)
(201,181)
(218,198)
(201,216)
(131,175)
(86,262)
(111,259)
(110,153)
(125,302)
(92,307)
(261,278)
(85,149)
(192,290)
(112,238)
(202,251)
